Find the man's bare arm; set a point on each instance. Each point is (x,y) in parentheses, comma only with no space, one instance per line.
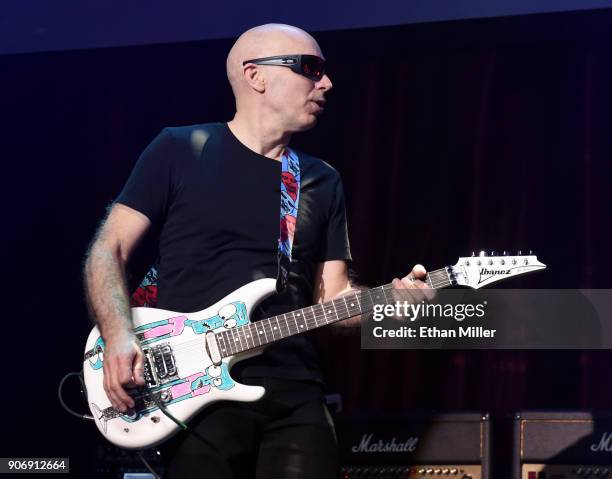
(108,300)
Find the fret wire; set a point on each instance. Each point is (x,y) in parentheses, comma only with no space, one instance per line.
(386,298)
(264,331)
(316,311)
(304,318)
(304,323)
(248,334)
(324,314)
(358,302)
(239,339)
(258,328)
(332,311)
(277,327)
(348,312)
(335,311)
(315,319)
(288,323)
(296,324)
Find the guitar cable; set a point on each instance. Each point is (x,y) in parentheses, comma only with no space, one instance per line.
(61,398)
(91,418)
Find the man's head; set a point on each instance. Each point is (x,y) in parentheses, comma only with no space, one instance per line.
(288,99)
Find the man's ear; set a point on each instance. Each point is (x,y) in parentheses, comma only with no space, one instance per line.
(254,78)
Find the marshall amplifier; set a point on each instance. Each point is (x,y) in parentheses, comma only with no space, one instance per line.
(414,446)
(562,445)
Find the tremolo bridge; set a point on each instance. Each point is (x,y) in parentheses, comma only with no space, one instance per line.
(159,365)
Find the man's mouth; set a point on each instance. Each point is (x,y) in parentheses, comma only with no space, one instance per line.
(320,104)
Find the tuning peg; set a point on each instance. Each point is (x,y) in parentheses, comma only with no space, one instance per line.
(482,254)
(473,254)
(505,253)
(520,253)
(530,252)
(493,252)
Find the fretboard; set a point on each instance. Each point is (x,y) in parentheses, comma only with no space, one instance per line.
(269,330)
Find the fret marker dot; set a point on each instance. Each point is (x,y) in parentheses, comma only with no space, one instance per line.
(298,314)
(260,332)
(352,304)
(275,327)
(329,310)
(248,335)
(301,325)
(235,339)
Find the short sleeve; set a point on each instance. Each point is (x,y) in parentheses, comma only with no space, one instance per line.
(148,188)
(335,241)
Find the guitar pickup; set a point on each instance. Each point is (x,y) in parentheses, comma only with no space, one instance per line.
(164,365)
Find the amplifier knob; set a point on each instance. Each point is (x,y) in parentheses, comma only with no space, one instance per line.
(578,471)
(445,471)
(587,471)
(437,471)
(421,471)
(454,471)
(429,471)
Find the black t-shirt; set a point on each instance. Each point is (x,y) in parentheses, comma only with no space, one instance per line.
(217,210)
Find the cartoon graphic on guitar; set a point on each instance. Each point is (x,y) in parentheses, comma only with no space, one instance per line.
(188,356)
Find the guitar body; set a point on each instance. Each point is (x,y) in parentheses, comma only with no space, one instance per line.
(178,368)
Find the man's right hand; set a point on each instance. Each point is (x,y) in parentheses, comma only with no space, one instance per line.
(123,368)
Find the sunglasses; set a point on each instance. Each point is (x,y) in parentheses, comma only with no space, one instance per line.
(310,66)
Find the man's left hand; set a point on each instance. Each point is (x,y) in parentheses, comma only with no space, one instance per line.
(415,287)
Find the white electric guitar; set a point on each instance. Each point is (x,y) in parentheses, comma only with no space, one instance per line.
(188,356)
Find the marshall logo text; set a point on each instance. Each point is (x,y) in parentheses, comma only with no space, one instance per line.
(605,443)
(367,445)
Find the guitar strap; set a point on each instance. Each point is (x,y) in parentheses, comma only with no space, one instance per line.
(290,197)
(146,293)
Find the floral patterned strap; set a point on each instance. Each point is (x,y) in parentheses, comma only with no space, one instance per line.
(290,197)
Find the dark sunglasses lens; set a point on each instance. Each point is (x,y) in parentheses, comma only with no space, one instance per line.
(313,67)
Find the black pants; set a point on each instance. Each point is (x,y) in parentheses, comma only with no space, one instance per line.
(287,434)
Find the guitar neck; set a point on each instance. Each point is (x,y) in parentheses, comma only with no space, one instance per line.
(269,330)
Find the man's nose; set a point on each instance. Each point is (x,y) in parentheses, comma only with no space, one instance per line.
(326,83)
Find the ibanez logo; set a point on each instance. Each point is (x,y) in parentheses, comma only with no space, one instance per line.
(491,272)
(368,446)
(605,443)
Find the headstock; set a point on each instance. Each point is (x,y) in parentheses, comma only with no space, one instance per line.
(482,270)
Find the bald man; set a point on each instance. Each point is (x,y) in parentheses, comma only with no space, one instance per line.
(214,192)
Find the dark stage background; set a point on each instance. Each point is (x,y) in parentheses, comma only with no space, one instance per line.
(451,137)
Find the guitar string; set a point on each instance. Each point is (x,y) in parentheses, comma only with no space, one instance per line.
(247,336)
(244,334)
(198,343)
